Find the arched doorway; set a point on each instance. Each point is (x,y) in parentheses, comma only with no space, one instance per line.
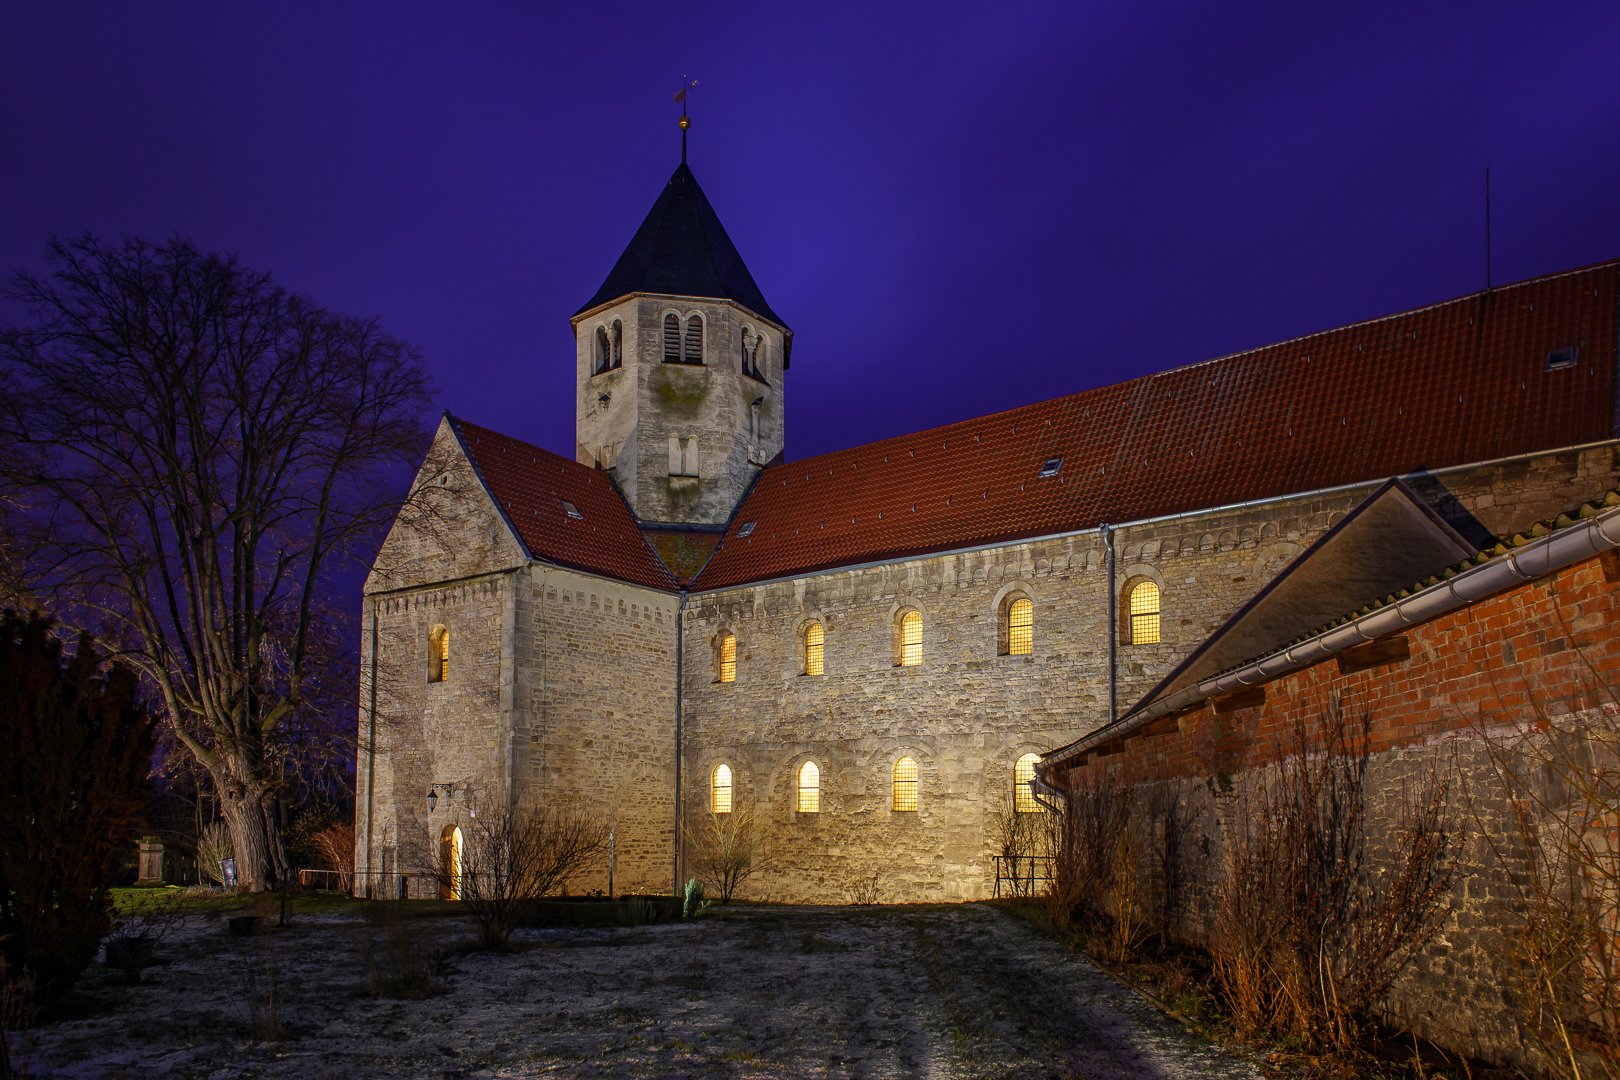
(450,860)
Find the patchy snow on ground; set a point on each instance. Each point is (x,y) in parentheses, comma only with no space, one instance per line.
(928,991)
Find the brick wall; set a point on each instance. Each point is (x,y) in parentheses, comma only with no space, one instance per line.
(1506,664)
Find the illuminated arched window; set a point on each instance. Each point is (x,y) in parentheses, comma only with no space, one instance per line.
(814,647)
(672,339)
(728,658)
(450,863)
(1024,801)
(1143,606)
(720,790)
(905,784)
(1021,627)
(809,788)
(911,639)
(438,654)
(692,350)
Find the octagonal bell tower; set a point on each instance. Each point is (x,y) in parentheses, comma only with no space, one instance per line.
(679,367)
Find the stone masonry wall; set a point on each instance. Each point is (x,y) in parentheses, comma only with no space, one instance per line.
(966,714)
(595,682)
(1503,666)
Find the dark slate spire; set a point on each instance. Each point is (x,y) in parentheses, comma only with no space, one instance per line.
(683,250)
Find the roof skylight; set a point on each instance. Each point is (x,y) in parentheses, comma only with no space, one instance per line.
(572,511)
(1051,466)
(748,527)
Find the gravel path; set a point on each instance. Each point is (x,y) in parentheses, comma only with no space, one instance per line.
(940,991)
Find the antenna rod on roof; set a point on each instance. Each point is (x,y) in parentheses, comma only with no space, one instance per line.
(1487,216)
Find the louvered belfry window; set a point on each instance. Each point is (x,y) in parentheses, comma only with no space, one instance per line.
(911,639)
(672,339)
(728,658)
(1145,614)
(604,351)
(722,789)
(905,784)
(618,343)
(814,644)
(694,341)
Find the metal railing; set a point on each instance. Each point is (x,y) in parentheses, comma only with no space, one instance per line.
(1019,875)
(393,885)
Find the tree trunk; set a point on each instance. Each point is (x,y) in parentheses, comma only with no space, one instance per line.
(253,841)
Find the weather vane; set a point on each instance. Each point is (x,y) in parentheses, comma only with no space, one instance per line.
(686,121)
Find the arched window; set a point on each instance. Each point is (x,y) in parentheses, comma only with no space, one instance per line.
(1143,605)
(604,352)
(450,863)
(438,654)
(618,343)
(1024,801)
(692,352)
(905,784)
(815,639)
(672,339)
(911,639)
(809,788)
(1021,627)
(728,658)
(720,790)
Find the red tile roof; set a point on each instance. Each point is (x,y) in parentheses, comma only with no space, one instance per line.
(1448,384)
(531,485)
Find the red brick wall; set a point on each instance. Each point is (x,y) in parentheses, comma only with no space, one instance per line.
(1534,651)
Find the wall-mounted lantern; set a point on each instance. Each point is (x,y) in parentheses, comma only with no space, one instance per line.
(433,799)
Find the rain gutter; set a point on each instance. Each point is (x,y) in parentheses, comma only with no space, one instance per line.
(1537,559)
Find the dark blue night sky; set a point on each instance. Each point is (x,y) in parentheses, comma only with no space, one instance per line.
(958,208)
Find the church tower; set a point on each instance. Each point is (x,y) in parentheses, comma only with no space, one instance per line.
(679,367)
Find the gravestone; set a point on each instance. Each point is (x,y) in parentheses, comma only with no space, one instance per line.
(151,864)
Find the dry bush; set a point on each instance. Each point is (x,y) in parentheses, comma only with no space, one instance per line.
(1021,839)
(213,847)
(336,845)
(1084,841)
(728,849)
(1562,784)
(402,962)
(510,858)
(1309,935)
(866,891)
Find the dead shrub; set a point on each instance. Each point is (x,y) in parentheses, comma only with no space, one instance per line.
(728,849)
(1309,935)
(336,846)
(402,962)
(1021,842)
(509,859)
(1561,778)
(1084,842)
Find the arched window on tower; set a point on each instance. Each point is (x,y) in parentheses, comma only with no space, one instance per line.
(809,788)
(604,352)
(1021,627)
(1142,603)
(911,625)
(672,338)
(720,790)
(728,657)
(438,654)
(815,639)
(1024,801)
(692,349)
(617,341)
(905,784)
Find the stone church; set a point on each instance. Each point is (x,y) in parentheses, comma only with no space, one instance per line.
(871,649)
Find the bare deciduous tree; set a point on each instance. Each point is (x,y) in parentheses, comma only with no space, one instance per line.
(509,858)
(196,453)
